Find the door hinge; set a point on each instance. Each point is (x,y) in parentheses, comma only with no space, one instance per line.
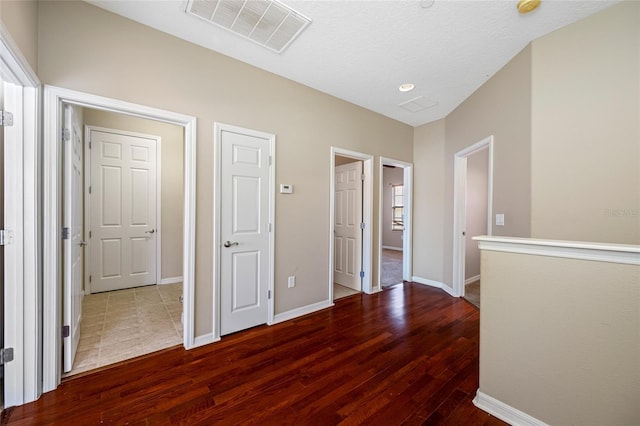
(89,189)
(89,278)
(362,177)
(65,233)
(361,225)
(6,237)
(6,118)
(66,135)
(270,160)
(89,144)
(89,234)
(6,355)
(269,294)
(269,227)
(66,331)
(361,274)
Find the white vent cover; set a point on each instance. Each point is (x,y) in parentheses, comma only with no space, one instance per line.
(417,104)
(267,22)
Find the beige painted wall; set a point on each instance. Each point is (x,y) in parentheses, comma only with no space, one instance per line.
(84,48)
(390,176)
(20,18)
(560,338)
(586,129)
(428,201)
(172,180)
(476,206)
(501,107)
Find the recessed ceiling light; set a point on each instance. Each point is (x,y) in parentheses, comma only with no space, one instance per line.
(526,6)
(407,87)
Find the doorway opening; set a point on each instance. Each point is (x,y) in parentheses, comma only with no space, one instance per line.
(473,201)
(124,298)
(56,99)
(350,223)
(395,221)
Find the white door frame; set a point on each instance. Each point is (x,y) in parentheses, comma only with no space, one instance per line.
(54,97)
(407,233)
(22,258)
(87,209)
(367,217)
(218,128)
(460,208)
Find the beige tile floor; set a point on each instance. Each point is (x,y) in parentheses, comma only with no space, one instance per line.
(123,324)
(340,291)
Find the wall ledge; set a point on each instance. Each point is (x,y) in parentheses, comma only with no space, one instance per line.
(504,412)
(599,252)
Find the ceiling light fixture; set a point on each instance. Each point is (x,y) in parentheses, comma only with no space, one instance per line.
(526,6)
(426,4)
(407,87)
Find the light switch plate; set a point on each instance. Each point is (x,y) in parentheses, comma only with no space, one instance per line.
(500,219)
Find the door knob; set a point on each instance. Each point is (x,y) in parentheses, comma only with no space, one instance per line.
(150,232)
(229,243)
(83,243)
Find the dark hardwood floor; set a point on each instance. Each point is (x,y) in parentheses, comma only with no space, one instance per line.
(407,355)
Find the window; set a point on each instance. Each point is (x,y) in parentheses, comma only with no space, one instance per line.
(397,206)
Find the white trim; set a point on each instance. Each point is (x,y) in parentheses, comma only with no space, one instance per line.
(172,280)
(460,209)
(54,98)
(504,411)
(217,130)
(407,233)
(87,182)
(367,217)
(432,283)
(599,252)
(392,248)
(303,310)
(204,339)
(23,258)
(471,279)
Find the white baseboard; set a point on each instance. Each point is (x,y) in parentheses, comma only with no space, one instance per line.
(171,280)
(435,284)
(203,339)
(472,279)
(304,310)
(392,248)
(504,411)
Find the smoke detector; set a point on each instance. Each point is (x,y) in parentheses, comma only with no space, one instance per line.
(268,23)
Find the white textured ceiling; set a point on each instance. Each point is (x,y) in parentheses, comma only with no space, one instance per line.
(361,51)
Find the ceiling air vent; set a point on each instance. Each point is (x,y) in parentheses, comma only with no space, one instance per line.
(267,22)
(417,104)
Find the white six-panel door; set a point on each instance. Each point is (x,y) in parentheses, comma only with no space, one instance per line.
(73,244)
(123,211)
(348,233)
(244,229)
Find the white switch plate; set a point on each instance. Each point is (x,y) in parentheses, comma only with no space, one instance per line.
(286,188)
(291,282)
(499,219)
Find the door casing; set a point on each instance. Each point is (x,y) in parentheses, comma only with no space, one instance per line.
(460,209)
(367,217)
(218,128)
(87,183)
(407,241)
(54,99)
(22,258)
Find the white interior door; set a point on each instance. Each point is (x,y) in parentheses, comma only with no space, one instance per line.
(244,229)
(123,211)
(347,226)
(73,244)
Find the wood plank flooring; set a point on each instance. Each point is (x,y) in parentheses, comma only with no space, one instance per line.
(407,355)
